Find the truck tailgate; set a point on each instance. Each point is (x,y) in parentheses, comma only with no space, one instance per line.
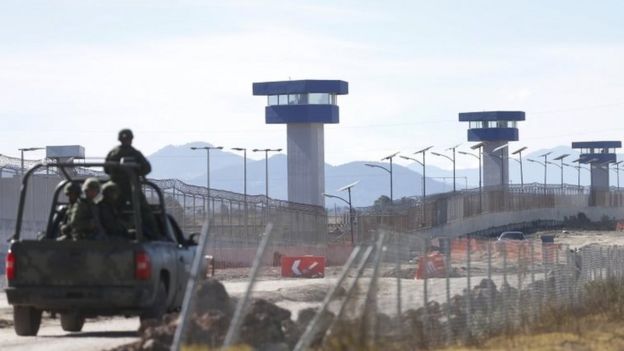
(75,263)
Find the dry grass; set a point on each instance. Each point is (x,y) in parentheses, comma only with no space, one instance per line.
(597,325)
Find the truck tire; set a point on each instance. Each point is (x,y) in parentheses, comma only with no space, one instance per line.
(158,309)
(72,322)
(26,320)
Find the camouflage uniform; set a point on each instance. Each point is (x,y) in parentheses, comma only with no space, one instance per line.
(84,217)
(121,178)
(128,152)
(110,217)
(60,222)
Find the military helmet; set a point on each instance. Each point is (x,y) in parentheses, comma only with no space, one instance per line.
(125,134)
(91,183)
(71,188)
(110,188)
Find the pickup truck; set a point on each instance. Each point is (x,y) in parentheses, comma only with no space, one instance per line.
(140,275)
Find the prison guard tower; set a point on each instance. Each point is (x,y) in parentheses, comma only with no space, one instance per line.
(304,106)
(494,129)
(599,155)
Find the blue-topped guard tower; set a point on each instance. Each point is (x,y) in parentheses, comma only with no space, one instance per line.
(494,129)
(598,154)
(304,106)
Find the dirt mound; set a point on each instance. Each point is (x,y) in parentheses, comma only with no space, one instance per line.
(265,327)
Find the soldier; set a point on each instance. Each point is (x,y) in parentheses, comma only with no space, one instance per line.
(129,153)
(126,151)
(110,217)
(60,223)
(84,219)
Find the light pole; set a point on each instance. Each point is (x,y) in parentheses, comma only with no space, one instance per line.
(389,157)
(478,157)
(502,158)
(560,158)
(244,150)
(266,173)
(617,173)
(351,214)
(420,163)
(578,169)
(543,164)
(545,156)
(519,153)
(450,159)
(22,150)
(561,167)
(424,179)
(207,148)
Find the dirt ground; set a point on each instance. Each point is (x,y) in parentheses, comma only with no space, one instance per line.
(577,239)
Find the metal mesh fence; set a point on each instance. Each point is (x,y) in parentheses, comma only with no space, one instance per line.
(445,292)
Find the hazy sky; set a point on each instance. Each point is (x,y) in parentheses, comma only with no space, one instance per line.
(75,72)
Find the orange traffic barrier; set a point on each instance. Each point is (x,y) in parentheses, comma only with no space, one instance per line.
(431,266)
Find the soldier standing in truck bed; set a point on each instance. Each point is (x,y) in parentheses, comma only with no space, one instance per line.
(121,178)
(125,150)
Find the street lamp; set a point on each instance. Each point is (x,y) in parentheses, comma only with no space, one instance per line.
(450,159)
(207,148)
(502,158)
(420,163)
(266,170)
(617,173)
(545,170)
(348,189)
(578,169)
(560,158)
(561,167)
(478,157)
(519,153)
(424,176)
(244,150)
(389,158)
(22,150)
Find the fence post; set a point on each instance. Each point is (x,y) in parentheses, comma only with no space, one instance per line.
(504,288)
(519,272)
(449,330)
(535,310)
(490,300)
(425,321)
(468,293)
(398,284)
(556,278)
(601,263)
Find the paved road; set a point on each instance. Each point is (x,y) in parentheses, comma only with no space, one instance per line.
(100,334)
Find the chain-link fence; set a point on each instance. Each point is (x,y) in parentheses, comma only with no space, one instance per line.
(446,291)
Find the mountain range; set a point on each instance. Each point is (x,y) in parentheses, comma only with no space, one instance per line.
(226,173)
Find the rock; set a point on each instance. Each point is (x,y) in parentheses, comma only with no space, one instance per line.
(263,323)
(211,295)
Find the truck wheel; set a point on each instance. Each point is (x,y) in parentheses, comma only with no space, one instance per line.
(158,309)
(26,320)
(72,322)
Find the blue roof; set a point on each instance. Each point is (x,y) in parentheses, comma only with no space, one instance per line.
(301,87)
(491,116)
(596,144)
